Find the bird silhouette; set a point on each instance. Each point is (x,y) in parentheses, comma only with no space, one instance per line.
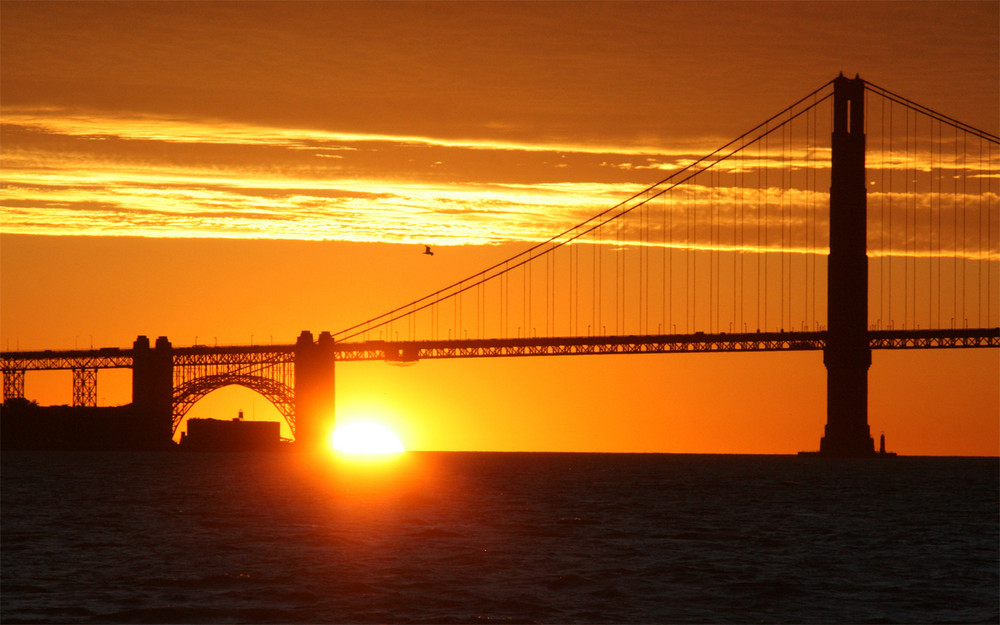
(427,250)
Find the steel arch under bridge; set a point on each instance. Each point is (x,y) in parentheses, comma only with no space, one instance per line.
(269,371)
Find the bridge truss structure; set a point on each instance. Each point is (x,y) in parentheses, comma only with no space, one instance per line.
(270,371)
(197,371)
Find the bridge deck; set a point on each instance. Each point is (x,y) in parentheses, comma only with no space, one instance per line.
(410,351)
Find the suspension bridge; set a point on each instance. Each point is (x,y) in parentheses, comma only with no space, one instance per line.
(855,219)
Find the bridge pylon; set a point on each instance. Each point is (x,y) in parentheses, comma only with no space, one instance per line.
(153,389)
(847,355)
(314,390)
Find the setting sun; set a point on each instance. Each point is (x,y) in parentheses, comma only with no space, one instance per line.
(365,438)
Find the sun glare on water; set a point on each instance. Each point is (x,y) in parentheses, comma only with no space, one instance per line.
(365,438)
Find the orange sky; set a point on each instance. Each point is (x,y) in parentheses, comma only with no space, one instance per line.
(221,171)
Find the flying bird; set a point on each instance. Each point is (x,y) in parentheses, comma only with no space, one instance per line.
(427,250)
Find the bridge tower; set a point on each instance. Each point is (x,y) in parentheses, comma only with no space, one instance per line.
(153,389)
(314,390)
(847,355)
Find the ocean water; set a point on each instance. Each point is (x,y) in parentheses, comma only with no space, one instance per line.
(497,537)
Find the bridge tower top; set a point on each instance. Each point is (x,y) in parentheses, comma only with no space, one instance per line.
(142,342)
(848,105)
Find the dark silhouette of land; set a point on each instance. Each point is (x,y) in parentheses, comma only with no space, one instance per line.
(26,425)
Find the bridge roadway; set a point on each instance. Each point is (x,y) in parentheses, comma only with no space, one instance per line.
(411,351)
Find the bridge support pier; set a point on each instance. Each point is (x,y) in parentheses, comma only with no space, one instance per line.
(314,391)
(153,390)
(847,355)
(847,433)
(85,387)
(13,384)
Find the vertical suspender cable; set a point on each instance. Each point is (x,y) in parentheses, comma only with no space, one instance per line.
(916,225)
(617,253)
(759,233)
(979,240)
(906,217)
(892,171)
(965,196)
(767,199)
(618,247)
(716,276)
(940,167)
(712,180)
(693,250)
(524,301)
(930,231)
(881,213)
(663,269)
(571,296)
(954,234)
(813,192)
(687,263)
(926,252)
(917,168)
(816,230)
(644,261)
(593,281)
(598,282)
(737,245)
(718,250)
(647,233)
(907,197)
(620,279)
(712,176)
(576,281)
(805,244)
(575,319)
(989,242)
(548,263)
(782,190)
(808,188)
(670,270)
(625,250)
(552,311)
(502,308)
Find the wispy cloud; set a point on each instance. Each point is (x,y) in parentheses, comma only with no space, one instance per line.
(177,130)
(143,175)
(153,176)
